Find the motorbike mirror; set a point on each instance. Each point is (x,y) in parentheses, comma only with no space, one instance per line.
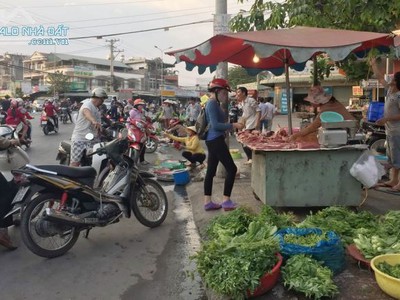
(89,136)
(123,134)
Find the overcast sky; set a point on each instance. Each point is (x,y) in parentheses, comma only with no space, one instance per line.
(99,17)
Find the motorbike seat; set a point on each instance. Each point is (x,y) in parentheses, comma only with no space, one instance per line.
(72,172)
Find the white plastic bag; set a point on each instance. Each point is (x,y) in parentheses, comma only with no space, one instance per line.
(367,170)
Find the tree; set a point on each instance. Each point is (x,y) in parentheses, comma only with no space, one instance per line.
(58,82)
(238,75)
(363,15)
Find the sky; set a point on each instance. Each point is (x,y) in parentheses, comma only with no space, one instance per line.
(24,23)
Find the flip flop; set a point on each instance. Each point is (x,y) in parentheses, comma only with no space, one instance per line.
(383,184)
(388,190)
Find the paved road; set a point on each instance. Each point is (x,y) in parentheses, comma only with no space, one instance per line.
(122,261)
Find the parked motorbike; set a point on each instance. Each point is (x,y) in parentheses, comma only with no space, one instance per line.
(66,202)
(375,137)
(47,124)
(110,131)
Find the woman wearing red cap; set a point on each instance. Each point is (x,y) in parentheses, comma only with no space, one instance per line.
(218,150)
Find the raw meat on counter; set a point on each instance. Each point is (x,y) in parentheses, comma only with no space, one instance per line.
(274,140)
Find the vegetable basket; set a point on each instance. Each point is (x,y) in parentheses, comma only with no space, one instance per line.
(390,285)
(269,280)
(355,253)
(328,250)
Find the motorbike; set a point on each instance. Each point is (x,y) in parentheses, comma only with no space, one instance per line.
(375,137)
(110,131)
(17,129)
(137,136)
(64,117)
(152,139)
(60,202)
(47,124)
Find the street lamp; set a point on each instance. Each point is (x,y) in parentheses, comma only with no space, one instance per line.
(162,70)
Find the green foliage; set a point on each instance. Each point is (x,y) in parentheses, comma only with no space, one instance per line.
(19,93)
(304,274)
(238,75)
(324,68)
(363,15)
(58,82)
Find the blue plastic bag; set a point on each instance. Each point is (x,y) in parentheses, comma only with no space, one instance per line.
(329,251)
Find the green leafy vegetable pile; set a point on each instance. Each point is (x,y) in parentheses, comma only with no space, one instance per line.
(234,260)
(341,220)
(304,274)
(308,240)
(391,270)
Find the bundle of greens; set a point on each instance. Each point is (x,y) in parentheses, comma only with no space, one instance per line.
(307,240)
(391,270)
(233,261)
(341,220)
(234,223)
(304,274)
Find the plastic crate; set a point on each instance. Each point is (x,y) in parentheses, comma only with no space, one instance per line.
(375,111)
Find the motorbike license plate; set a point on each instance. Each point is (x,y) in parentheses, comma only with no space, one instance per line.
(44,122)
(20,194)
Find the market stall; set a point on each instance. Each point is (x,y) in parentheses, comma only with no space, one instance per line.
(302,174)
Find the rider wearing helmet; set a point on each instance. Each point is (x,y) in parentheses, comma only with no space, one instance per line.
(51,112)
(88,121)
(218,151)
(16,116)
(138,113)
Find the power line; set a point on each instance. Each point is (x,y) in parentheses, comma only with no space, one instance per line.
(139,31)
(132,22)
(131,16)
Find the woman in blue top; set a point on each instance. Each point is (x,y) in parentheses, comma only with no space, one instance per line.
(217,149)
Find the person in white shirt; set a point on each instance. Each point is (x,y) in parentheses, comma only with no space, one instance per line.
(251,116)
(267,113)
(88,121)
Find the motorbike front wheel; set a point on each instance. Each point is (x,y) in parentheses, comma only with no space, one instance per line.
(151,145)
(65,119)
(45,238)
(150,207)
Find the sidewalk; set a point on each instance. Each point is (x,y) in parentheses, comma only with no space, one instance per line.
(354,282)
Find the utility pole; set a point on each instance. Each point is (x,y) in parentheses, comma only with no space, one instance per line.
(112,58)
(162,72)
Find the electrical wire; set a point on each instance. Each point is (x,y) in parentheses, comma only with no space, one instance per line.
(139,31)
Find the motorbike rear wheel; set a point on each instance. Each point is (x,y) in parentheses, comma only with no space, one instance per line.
(151,207)
(42,237)
(46,130)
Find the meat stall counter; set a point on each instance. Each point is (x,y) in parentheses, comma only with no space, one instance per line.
(293,177)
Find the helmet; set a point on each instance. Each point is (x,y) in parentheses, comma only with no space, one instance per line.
(218,83)
(14,103)
(99,93)
(138,102)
